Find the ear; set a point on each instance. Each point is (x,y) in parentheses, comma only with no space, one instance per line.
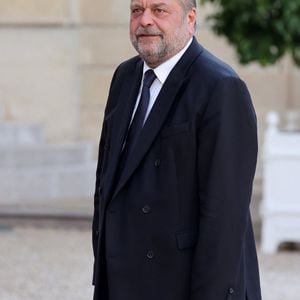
(192,17)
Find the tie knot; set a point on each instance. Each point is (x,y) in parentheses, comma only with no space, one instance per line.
(149,77)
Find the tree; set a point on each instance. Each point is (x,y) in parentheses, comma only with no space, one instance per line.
(260,30)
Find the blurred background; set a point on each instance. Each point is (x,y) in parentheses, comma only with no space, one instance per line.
(56,62)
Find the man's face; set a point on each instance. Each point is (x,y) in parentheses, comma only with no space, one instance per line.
(160,28)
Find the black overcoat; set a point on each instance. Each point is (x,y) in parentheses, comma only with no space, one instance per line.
(176,225)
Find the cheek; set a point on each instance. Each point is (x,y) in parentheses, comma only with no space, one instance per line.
(167,26)
(133,25)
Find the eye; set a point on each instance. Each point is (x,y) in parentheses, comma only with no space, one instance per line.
(159,12)
(136,11)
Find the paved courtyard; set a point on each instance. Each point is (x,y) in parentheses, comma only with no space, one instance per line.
(55,263)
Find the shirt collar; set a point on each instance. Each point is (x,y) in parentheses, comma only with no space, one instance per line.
(163,70)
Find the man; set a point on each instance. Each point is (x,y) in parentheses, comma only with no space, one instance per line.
(176,164)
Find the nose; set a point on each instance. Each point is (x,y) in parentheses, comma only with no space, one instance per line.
(146,18)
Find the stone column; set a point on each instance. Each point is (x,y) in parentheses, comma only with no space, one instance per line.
(39,64)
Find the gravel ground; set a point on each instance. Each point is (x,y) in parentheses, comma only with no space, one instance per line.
(45,264)
(56,263)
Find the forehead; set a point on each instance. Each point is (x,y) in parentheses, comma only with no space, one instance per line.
(146,3)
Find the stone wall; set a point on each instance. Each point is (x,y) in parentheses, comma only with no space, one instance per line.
(57,59)
(39,79)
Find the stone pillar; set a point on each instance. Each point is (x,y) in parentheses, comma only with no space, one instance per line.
(39,80)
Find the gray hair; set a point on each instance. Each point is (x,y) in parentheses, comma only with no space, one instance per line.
(189,4)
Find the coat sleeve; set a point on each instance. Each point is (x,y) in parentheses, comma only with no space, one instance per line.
(101,150)
(227,153)
(95,224)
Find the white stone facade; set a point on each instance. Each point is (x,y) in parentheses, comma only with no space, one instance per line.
(57,59)
(33,172)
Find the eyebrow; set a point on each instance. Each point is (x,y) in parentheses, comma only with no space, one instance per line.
(159,4)
(153,5)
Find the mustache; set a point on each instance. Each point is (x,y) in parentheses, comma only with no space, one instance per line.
(147,31)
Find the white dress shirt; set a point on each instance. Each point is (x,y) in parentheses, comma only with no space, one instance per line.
(162,72)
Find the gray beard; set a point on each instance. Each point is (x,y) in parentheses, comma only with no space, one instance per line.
(162,50)
(157,54)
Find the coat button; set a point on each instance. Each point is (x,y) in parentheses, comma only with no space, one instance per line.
(97,232)
(146,209)
(150,254)
(231,291)
(157,163)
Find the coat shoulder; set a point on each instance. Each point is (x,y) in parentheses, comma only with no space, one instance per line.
(213,67)
(127,66)
(216,84)
(209,74)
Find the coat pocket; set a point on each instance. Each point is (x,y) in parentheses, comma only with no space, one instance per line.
(186,240)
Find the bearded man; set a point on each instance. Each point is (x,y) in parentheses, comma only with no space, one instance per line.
(176,163)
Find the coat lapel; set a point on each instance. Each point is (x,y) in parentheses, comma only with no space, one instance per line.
(121,121)
(159,112)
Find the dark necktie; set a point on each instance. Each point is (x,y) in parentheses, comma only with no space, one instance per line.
(138,119)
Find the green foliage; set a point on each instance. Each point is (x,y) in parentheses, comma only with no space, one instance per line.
(260,30)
